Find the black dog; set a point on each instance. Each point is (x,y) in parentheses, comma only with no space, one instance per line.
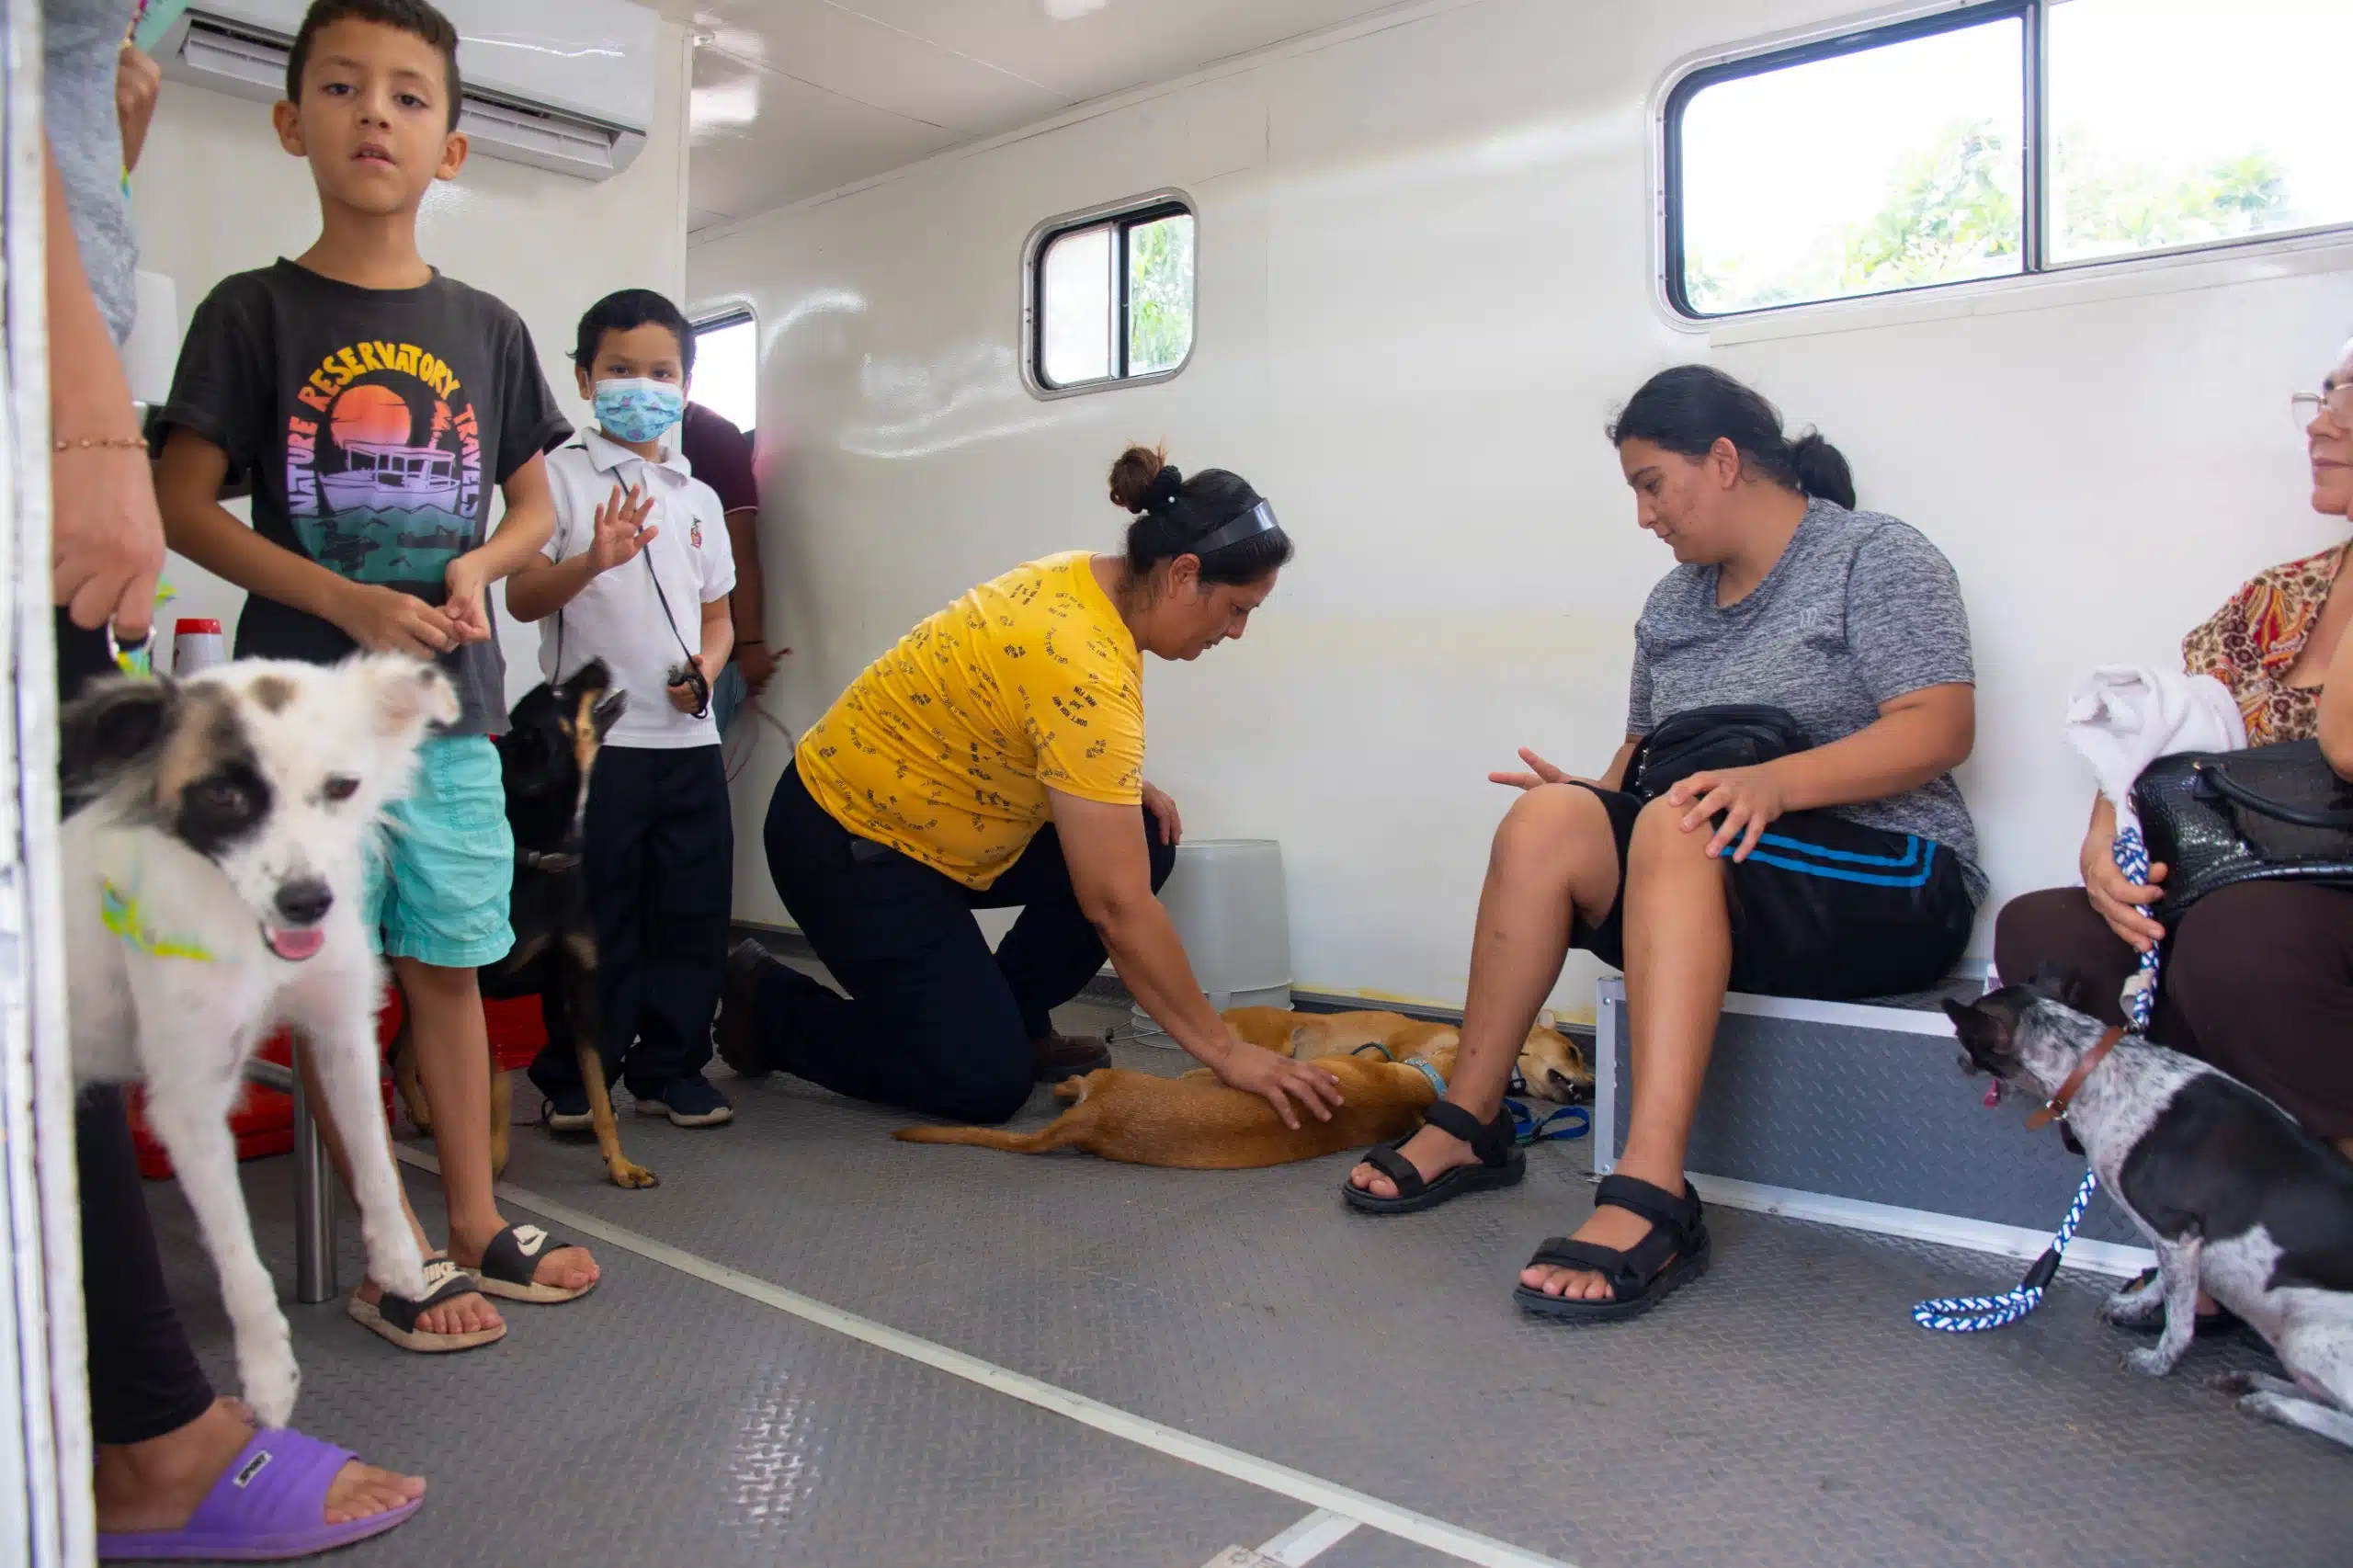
(2234,1195)
(546,758)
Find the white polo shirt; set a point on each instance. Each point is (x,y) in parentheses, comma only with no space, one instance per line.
(620,617)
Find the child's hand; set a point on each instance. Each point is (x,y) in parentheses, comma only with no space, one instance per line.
(385,620)
(621,532)
(468,606)
(683,696)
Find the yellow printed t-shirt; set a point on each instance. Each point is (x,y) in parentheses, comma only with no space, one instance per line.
(944,749)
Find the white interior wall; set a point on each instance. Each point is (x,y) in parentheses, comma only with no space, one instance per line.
(1425,278)
(215,195)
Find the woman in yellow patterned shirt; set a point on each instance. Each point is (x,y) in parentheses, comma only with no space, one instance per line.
(994,758)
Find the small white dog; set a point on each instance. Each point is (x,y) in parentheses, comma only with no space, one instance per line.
(213,864)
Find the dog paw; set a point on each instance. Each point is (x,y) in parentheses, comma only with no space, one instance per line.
(2151,1361)
(631,1174)
(2128,1309)
(271,1379)
(394,1262)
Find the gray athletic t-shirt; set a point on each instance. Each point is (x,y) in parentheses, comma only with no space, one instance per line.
(1859,610)
(81,40)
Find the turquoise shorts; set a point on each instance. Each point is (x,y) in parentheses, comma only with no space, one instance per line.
(436,891)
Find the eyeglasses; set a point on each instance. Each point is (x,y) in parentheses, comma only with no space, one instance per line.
(2338,401)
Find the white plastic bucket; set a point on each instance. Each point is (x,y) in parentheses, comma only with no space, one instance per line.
(1227,900)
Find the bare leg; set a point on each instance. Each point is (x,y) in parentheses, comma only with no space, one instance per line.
(466,1312)
(451,1046)
(1554,855)
(338,1029)
(156,1485)
(1678,960)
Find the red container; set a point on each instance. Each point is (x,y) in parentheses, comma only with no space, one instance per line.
(263,1119)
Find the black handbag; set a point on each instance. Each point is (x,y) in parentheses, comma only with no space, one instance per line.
(2216,819)
(1708,740)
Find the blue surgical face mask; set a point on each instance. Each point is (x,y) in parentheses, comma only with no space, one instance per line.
(639,410)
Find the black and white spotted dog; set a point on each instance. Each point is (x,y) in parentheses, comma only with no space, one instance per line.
(2234,1195)
(213,857)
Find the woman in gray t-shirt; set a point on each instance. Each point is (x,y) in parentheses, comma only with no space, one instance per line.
(1841,870)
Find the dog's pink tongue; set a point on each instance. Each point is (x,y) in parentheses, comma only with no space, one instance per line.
(295,946)
(1994,1095)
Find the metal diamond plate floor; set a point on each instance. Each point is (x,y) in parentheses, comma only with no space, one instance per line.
(1782,1411)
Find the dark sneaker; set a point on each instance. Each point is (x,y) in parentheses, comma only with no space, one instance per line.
(688,1102)
(566,1111)
(1059,1056)
(731,1036)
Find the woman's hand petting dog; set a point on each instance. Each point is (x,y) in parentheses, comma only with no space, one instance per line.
(1748,798)
(1279,1080)
(621,532)
(1164,811)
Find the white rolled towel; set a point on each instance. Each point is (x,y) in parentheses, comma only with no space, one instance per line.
(2123,717)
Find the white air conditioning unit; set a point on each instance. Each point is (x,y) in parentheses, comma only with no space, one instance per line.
(561,85)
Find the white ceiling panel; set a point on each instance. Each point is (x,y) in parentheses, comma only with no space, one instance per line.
(797,138)
(878,65)
(794,97)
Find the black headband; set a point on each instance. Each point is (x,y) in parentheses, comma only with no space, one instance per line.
(1258,519)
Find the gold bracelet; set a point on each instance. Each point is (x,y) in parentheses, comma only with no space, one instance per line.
(92,443)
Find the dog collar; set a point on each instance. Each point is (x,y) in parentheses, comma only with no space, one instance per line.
(120,913)
(1427,1071)
(2055,1110)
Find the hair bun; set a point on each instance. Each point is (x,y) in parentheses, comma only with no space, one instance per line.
(1167,486)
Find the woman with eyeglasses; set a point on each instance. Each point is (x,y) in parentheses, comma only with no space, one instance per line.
(2259,979)
(994,758)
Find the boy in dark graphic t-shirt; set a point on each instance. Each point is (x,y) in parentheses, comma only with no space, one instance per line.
(375,404)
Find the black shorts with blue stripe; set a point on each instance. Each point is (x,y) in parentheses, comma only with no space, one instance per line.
(1823,908)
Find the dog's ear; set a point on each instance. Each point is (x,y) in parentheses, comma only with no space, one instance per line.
(2062,984)
(408,694)
(113,724)
(1984,1030)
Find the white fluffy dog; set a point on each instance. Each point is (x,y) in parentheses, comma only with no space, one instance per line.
(213,865)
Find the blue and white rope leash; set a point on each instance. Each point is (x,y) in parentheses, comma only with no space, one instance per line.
(2140,996)
(1972,1314)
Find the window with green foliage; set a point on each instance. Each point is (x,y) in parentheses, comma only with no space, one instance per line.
(2000,140)
(1111,298)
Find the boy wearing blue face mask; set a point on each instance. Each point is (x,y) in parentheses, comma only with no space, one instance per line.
(637,574)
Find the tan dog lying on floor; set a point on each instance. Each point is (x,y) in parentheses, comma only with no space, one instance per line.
(1553,1065)
(1196,1124)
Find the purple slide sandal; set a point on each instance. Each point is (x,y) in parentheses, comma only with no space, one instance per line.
(270,1507)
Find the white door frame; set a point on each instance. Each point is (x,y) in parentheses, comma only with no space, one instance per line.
(45,1513)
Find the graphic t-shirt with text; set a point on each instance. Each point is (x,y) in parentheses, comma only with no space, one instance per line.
(375,425)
